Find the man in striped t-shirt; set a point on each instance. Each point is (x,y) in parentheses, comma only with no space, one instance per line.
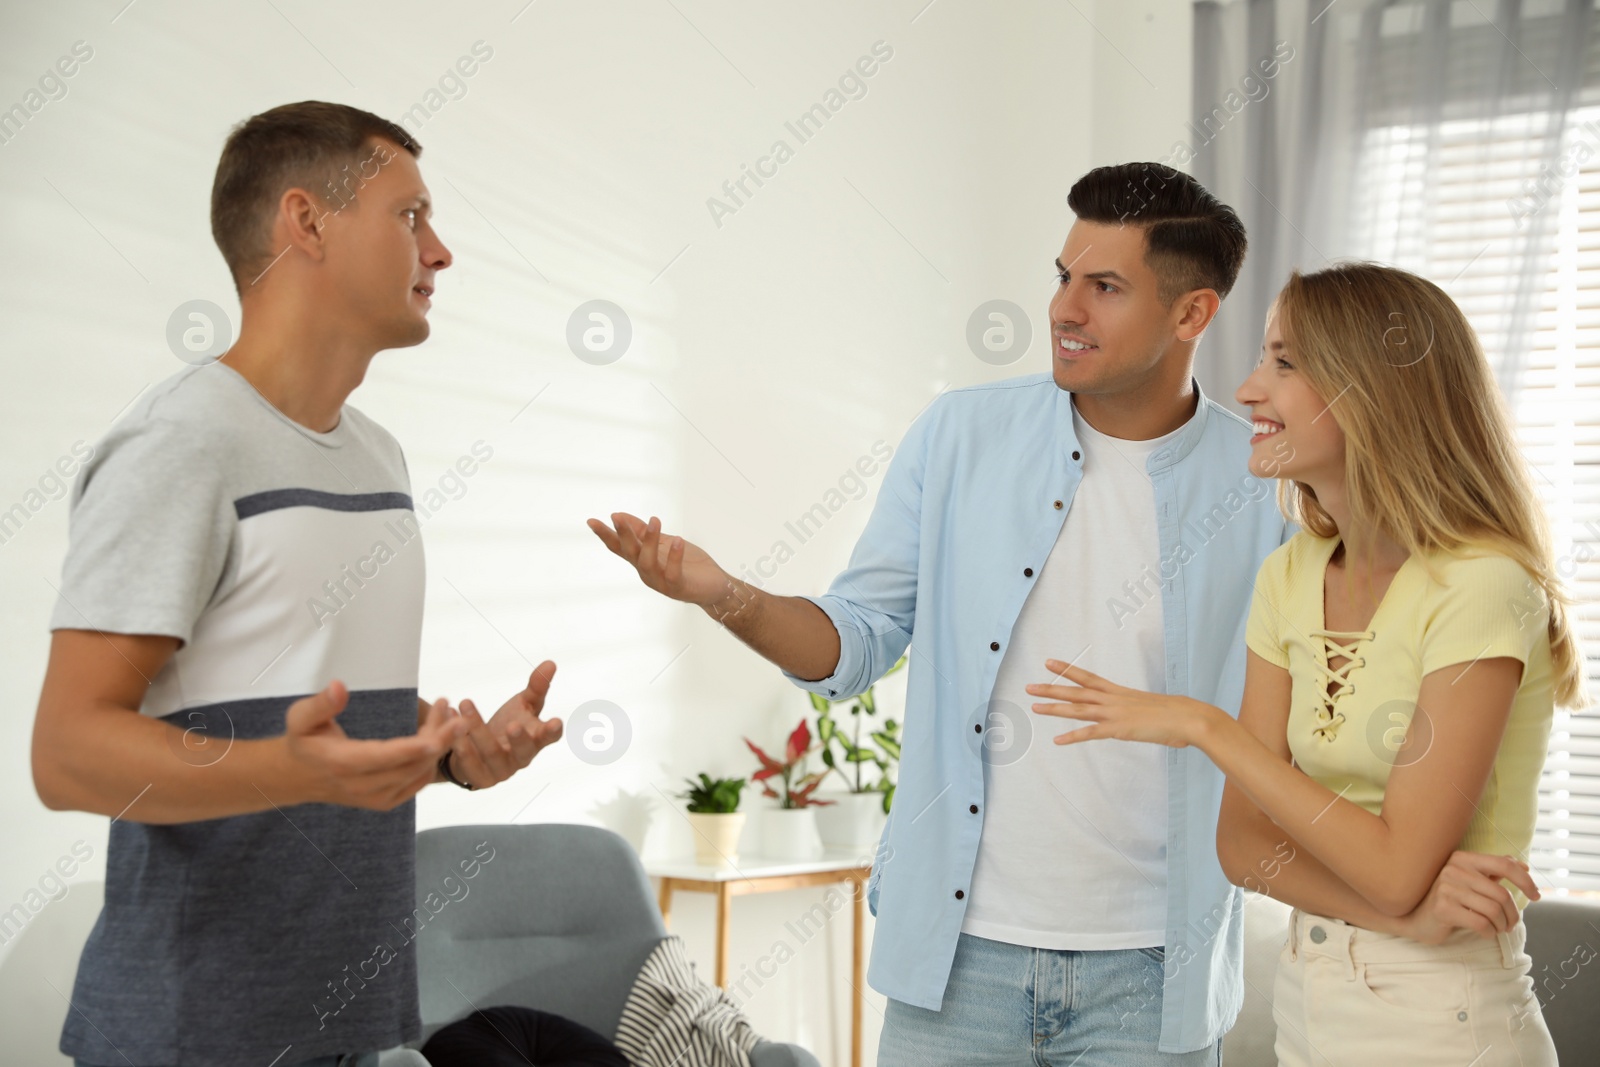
(233,672)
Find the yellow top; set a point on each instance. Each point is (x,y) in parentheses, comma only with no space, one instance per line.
(1348,726)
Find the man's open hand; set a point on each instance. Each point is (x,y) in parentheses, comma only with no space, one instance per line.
(334,768)
(490,752)
(669,565)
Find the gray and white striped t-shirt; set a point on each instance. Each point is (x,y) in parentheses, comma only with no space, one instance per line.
(282,559)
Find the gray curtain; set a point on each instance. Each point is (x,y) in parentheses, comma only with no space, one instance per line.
(1354,129)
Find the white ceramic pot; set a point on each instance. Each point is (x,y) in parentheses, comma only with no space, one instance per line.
(790,834)
(716,837)
(852,823)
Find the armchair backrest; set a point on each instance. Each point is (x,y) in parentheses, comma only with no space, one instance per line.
(552,916)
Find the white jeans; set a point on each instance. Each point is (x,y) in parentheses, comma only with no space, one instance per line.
(1350,997)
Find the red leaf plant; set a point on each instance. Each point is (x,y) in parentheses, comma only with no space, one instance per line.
(797,784)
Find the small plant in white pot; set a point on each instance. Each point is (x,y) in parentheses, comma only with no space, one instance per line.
(715,816)
(790,829)
(862,752)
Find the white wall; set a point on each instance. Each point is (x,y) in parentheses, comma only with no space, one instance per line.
(769,352)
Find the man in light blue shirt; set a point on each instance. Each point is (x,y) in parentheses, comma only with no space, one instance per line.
(1033,904)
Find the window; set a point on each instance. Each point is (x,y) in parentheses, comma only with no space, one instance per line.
(1454,201)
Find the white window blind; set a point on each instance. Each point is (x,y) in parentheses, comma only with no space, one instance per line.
(1463,232)
(1558,421)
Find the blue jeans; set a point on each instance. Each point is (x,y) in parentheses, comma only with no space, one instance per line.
(1011,1006)
(349,1059)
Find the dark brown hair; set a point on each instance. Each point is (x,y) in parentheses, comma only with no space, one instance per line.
(1192,239)
(305,146)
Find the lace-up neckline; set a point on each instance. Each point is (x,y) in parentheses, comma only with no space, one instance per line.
(1333,683)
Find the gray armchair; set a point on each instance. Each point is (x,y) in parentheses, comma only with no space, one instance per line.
(561,919)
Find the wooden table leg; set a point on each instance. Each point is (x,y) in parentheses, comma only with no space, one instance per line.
(666,901)
(724,910)
(856,977)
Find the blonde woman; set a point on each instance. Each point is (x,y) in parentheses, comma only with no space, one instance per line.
(1406,649)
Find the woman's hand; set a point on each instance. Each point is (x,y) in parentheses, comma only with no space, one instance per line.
(1118,712)
(1467,894)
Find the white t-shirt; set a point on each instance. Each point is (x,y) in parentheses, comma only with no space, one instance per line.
(1074,847)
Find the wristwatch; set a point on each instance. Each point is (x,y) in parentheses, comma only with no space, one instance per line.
(444,769)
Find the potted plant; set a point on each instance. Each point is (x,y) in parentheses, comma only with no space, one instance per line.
(715,816)
(790,828)
(862,752)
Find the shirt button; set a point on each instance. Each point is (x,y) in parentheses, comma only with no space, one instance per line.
(1461,1015)
(1318,934)
(1027,572)
(994,646)
(1058,505)
(960,895)
(1077,455)
(973,808)
(977,727)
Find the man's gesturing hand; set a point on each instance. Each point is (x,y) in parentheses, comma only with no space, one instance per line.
(791,631)
(669,565)
(333,768)
(490,752)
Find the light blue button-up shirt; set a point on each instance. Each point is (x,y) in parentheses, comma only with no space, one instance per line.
(969,510)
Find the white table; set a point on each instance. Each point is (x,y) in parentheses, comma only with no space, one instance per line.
(760,874)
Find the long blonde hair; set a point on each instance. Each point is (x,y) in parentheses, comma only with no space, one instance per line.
(1430,456)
